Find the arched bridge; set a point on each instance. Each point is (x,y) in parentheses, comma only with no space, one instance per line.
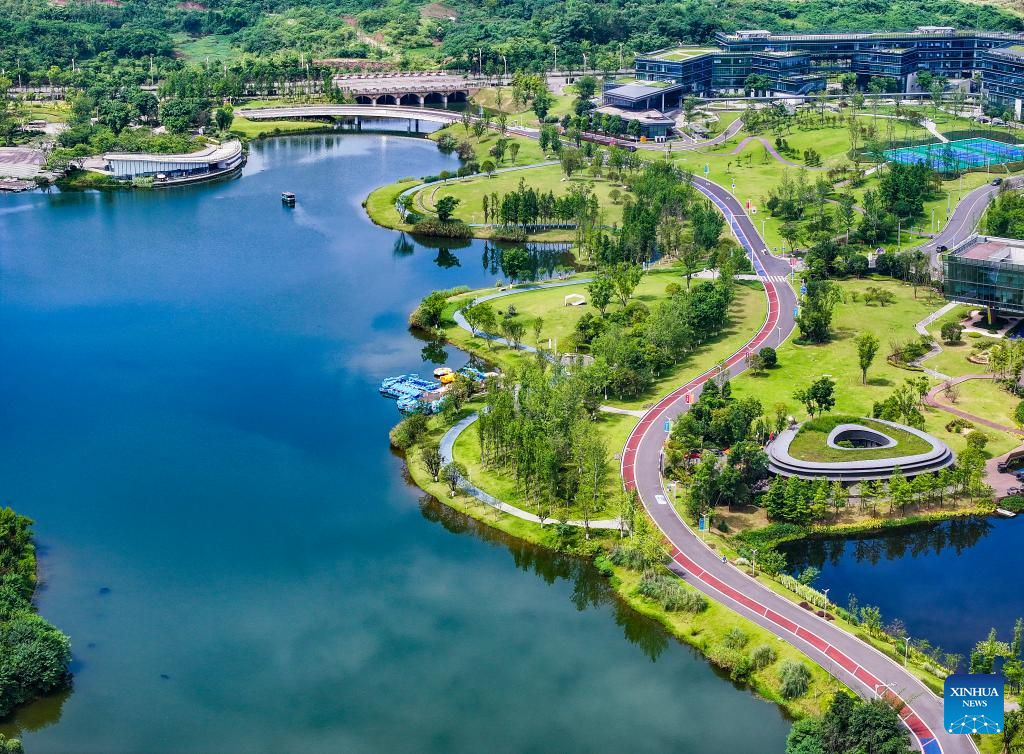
(349,111)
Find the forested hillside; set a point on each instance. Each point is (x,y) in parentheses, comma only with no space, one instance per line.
(39,39)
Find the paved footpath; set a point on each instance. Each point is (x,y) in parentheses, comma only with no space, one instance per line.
(852,661)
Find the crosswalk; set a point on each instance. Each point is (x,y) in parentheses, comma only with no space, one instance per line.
(777,278)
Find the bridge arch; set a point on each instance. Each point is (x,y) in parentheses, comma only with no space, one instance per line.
(362,99)
(410,100)
(388,99)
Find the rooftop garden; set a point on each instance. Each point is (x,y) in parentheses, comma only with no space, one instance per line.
(811,442)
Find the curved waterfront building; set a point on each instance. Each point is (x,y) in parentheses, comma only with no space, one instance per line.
(217,159)
(869,435)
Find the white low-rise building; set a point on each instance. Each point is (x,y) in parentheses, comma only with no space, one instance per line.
(213,160)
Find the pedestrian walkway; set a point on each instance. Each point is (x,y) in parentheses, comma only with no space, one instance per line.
(936,349)
(447,448)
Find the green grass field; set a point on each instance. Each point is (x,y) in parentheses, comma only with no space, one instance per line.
(748,313)
(471,191)
(810,445)
(529,149)
(212,47)
(986,399)
(254,129)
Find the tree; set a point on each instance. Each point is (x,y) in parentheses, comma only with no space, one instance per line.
(432,459)
(626,278)
(488,167)
(952,332)
(10,112)
(515,264)
(769,357)
(446,207)
(453,474)
(428,313)
(867,348)
(513,150)
(591,455)
(542,102)
(586,87)
(819,397)
(571,161)
(601,290)
(224,117)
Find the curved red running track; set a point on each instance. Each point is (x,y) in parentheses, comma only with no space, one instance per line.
(849,659)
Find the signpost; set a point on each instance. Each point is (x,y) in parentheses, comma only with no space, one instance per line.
(668,426)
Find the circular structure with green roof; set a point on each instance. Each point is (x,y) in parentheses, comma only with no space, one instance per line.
(855,449)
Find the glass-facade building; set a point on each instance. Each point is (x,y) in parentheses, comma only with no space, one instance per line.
(986,271)
(798,64)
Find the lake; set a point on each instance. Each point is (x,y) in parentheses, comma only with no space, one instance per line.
(948,582)
(190,413)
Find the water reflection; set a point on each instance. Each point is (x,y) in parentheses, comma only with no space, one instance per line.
(589,588)
(956,535)
(967,562)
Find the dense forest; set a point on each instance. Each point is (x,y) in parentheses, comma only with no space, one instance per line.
(34,656)
(51,41)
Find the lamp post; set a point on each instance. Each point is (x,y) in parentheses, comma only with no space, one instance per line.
(505,61)
(753,562)
(906,650)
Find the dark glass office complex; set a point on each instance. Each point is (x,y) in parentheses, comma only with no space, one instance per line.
(797,64)
(986,271)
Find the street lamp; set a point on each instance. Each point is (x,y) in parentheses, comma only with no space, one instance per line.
(505,61)
(753,561)
(906,650)
(826,591)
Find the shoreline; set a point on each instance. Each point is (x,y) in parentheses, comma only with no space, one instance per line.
(623,582)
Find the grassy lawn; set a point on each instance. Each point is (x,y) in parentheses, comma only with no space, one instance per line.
(529,149)
(748,313)
(986,399)
(52,112)
(380,204)
(214,47)
(799,365)
(953,359)
(613,428)
(471,191)
(811,445)
(254,129)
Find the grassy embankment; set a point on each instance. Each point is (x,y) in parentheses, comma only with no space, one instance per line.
(811,445)
(705,631)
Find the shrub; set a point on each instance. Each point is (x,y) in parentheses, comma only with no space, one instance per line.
(977,440)
(439,229)
(629,556)
(668,592)
(1013,503)
(974,335)
(1018,414)
(763,656)
(769,357)
(952,332)
(405,434)
(794,679)
(737,638)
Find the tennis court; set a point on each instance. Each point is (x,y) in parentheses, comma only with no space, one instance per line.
(958,155)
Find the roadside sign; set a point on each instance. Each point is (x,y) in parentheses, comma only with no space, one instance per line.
(707,169)
(796,311)
(668,425)
(689,397)
(803,289)
(702,523)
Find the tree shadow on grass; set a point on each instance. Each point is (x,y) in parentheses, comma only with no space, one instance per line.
(880,381)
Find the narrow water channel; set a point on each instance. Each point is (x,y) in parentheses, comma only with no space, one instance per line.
(189,412)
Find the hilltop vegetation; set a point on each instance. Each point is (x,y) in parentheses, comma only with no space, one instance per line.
(39,39)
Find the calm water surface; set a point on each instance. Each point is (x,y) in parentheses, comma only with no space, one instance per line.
(949,583)
(189,411)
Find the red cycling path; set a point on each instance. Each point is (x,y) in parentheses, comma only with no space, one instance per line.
(854,662)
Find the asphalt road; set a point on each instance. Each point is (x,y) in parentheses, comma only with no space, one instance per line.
(852,661)
(965,218)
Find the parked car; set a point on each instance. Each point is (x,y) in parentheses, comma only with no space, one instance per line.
(996,181)
(942,248)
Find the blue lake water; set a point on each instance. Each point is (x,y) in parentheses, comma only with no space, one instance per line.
(949,582)
(188,409)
